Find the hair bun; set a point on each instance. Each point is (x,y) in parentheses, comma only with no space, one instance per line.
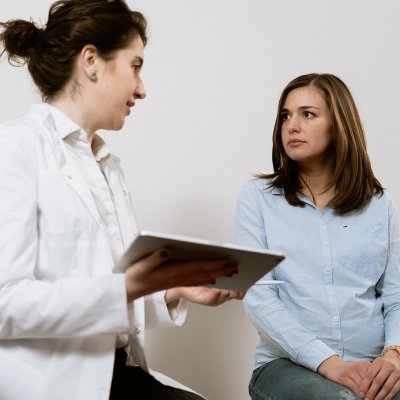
(20,37)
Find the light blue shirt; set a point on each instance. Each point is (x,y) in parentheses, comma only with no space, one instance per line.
(342,274)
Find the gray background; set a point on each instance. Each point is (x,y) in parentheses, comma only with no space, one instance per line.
(214,70)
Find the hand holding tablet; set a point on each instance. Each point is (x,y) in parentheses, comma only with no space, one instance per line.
(252,263)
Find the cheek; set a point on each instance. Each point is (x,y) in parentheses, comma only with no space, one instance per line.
(322,137)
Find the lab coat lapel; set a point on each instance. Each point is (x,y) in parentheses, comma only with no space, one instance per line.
(114,176)
(79,185)
(67,166)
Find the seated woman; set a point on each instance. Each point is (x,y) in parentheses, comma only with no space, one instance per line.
(332,330)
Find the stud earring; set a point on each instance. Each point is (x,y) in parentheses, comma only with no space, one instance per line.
(93,76)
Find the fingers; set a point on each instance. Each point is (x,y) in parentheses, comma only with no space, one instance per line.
(197,273)
(158,272)
(384,380)
(390,389)
(354,375)
(156,258)
(223,295)
(368,379)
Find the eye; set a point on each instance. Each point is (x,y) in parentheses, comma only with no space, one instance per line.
(136,67)
(309,114)
(285,117)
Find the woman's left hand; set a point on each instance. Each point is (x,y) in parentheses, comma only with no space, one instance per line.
(203,295)
(382,380)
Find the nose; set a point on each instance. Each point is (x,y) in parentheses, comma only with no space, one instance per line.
(293,124)
(140,91)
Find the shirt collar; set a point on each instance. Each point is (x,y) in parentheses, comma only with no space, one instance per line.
(280,192)
(65,127)
(99,148)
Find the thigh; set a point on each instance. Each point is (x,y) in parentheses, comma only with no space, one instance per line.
(283,380)
(130,383)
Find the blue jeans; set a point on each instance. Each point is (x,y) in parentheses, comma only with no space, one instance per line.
(283,380)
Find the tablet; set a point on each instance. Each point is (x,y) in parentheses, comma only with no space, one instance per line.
(253,263)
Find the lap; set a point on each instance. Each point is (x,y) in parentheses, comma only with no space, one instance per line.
(283,380)
(128,382)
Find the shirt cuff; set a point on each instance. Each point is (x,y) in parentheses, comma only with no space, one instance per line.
(172,315)
(313,353)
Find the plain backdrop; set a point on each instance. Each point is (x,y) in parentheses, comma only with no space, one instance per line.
(214,70)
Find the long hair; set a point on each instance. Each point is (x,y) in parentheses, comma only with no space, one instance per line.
(50,51)
(353,179)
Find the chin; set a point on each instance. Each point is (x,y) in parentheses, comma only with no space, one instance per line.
(117,126)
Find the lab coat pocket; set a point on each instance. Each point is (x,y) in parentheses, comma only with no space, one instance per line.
(364,249)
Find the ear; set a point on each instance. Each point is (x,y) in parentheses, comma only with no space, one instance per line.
(89,60)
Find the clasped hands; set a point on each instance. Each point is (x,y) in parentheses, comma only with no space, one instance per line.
(376,380)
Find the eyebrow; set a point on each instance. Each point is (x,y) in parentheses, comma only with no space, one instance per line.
(301,108)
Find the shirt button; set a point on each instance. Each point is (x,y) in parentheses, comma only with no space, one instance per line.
(335,319)
(326,244)
(339,347)
(323,223)
(137,331)
(328,269)
(330,292)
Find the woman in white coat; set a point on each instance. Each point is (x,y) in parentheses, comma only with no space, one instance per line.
(69,325)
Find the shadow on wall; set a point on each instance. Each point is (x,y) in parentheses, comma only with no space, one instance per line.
(212,352)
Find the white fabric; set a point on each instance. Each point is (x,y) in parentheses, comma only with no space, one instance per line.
(166,380)
(61,307)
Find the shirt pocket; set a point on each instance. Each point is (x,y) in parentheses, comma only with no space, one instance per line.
(364,249)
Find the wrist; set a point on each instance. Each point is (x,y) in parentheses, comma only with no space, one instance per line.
(326,365)
(391,350)
(392,355)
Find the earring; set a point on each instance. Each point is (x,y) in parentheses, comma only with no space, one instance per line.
(93,76)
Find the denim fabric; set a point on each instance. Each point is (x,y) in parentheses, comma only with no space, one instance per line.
(283,380)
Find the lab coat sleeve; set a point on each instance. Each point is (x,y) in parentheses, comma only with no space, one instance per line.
(31,308)
(159,314)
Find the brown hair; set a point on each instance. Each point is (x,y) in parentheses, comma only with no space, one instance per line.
(353,179)
(50,51)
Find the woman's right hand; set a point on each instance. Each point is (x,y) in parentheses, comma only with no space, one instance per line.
(349,374)
(155,273)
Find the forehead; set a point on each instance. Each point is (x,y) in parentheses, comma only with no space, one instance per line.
(134,49)
(304,96)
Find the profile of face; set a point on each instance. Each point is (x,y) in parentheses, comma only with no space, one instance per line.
(119,85)
(306,129)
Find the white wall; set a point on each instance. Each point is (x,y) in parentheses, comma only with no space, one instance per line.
(214,71)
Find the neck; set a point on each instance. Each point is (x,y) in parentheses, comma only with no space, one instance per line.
(317,184)
(76,112)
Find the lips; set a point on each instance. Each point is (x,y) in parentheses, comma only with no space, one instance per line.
(295,142)
(129,104)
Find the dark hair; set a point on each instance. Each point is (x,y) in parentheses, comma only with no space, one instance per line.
(50,51)
(353,179)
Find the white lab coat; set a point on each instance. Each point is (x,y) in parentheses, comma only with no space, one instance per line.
(61,307)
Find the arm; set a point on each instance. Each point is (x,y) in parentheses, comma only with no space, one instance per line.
(382,381)
(32,308)
(263,305)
